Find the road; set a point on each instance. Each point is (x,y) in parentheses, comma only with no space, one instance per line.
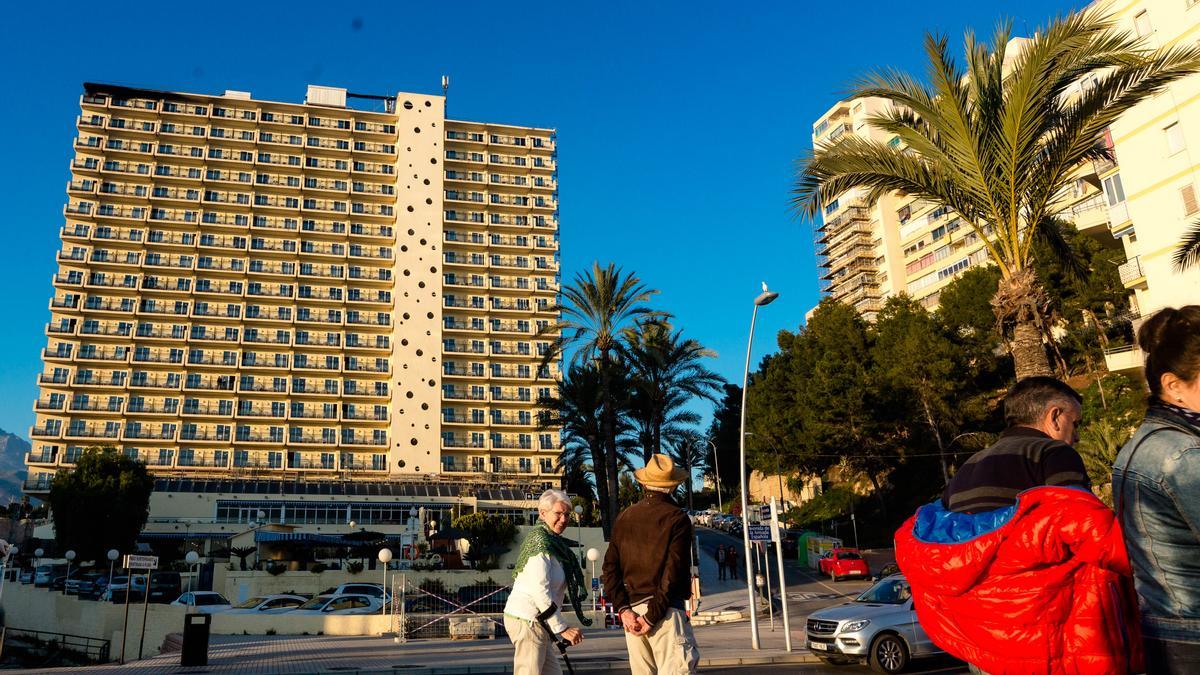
(808,593)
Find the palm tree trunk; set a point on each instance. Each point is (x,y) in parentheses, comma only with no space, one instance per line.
(1021,302)
(600,472)
(609,426)
(1028,351)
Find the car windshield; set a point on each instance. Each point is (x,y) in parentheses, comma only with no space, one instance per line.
(315,603)
(249,604)
(848,555)
(887,592)
(210,599)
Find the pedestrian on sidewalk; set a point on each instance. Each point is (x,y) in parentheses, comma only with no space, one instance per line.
(1019,568)
(731,560)
(546,572)
(720,556)
(647,574)
(1156,489)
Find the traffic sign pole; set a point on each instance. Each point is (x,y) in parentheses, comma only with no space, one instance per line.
(787,624)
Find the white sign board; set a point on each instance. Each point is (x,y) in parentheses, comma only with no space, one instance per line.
(141,562)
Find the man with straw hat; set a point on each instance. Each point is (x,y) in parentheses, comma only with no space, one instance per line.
(647,574)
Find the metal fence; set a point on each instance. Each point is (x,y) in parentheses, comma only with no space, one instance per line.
(93,649)
(426,608)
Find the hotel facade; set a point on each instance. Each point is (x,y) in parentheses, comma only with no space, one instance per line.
(258,291)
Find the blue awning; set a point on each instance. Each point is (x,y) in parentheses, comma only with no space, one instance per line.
(267,536)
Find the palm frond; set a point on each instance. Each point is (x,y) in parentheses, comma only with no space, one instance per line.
(1187,253)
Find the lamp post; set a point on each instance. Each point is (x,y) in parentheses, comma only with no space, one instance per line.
(593,555)
(37,558)
(191,559)
(70,556)
(113,554)
(765,298)
(385,557)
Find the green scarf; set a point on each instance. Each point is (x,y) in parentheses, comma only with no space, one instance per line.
(541,540)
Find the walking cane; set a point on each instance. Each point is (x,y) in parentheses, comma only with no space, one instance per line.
(558,642)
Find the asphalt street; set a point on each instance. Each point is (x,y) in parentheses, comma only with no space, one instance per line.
(806,593)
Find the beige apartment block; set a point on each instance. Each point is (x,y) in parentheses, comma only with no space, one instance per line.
(1151,189)
(264,289)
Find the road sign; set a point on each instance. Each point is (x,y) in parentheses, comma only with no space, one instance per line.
(759,532)
(141,562)
(595,584)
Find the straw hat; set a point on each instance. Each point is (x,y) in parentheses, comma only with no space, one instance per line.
(660,472)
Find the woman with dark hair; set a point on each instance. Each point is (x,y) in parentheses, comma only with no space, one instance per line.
(1156,488)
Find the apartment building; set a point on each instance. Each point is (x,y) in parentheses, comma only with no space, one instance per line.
(343,289)
(1142,202)
(858,250)
(1150,191)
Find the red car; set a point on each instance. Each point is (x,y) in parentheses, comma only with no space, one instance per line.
(844,562)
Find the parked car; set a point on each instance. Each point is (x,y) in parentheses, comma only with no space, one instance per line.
(60,582)
(844,562)
(339,604)
(790,539)
(879,627)
(268,604)
(165,586)
(95,589)
(203,602)
(26,575)
(482,598)
(46,574)
(373,590)
(82,585)
(119,591)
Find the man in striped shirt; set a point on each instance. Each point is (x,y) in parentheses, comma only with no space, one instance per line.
(1042,414)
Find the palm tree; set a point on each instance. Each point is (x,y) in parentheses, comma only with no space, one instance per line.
(1188,252)
(667,374)
(998,143)
(689,448)
(602,308)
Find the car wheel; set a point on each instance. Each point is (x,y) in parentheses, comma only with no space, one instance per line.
(889,654)
(836,660)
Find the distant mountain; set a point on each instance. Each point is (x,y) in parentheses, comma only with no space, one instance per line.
(13,449)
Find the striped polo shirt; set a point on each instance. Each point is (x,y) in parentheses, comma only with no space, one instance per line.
(1021,459)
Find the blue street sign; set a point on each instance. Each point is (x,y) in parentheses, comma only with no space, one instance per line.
(759,532)
(595,584)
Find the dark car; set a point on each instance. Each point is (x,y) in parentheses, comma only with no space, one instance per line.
(482,598)
(85,585)
(791,543)
(165,587)
(60,582)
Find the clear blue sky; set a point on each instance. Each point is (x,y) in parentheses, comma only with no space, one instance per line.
(678,122)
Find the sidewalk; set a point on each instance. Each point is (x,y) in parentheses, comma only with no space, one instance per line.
(601,651)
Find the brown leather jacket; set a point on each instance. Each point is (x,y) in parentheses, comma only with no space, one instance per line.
(649,557)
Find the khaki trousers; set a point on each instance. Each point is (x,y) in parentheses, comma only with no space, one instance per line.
(535,654)
(668,649)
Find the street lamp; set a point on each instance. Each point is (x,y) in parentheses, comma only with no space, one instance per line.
(593,555)
(385,557)
(191,559)
(113,554)
(37,557)
(70,556)
(765,298)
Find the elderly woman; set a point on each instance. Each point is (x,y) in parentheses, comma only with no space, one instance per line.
(546,572)
(1156,490)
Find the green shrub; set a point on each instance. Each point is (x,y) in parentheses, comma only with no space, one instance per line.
(275,570)
(354,567)
(318,568)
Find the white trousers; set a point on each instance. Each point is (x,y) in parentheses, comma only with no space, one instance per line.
(535,654)
(668,649)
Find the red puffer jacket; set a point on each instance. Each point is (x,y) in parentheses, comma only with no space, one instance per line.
(1040,587)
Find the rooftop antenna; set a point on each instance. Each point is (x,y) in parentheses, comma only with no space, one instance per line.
(445,87)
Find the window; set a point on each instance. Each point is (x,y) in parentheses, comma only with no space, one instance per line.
(1141,24)
(1113,189)
(1188,195)
(1174,136)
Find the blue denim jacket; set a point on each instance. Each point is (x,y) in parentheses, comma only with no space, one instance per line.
(1156,490)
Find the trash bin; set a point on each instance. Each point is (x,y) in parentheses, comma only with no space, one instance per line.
(195,640)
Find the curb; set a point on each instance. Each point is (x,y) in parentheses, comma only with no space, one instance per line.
(616,666)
